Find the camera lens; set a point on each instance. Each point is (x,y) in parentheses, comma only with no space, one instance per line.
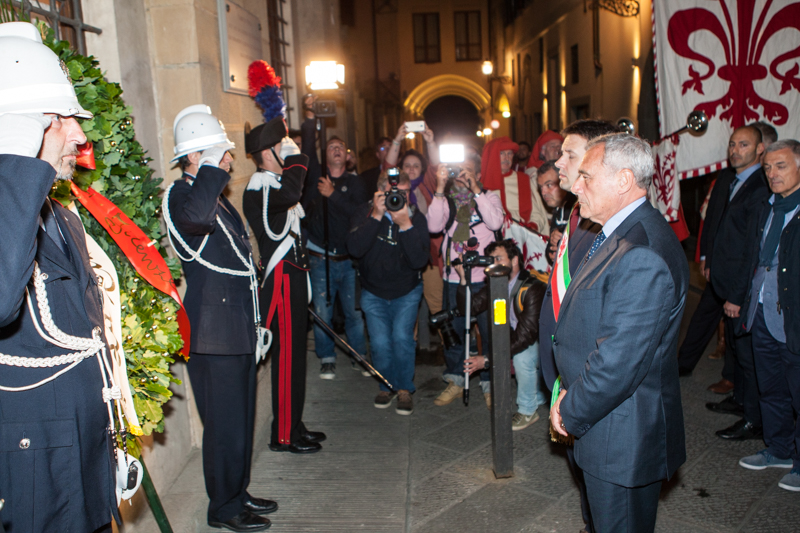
(395,201)
(449,336)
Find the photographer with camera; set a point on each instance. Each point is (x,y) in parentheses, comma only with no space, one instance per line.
(525,293)
(390,239)
(330,198)
(462,209)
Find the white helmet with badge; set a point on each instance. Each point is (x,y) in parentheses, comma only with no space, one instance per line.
(34,79)
(196,129)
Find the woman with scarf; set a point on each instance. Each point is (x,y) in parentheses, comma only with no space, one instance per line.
(478,214)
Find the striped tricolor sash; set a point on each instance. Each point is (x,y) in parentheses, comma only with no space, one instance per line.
(561,277)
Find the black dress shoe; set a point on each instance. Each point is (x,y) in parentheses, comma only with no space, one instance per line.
(683,372)
(313,436)
(260,505)
(728,406)
(301,446)
(741,430)
(244,521)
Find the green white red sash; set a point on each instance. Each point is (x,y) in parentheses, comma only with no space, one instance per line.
(561,278)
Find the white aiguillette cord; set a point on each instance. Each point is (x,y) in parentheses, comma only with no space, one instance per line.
(195,255)
(266,180)
(89,347)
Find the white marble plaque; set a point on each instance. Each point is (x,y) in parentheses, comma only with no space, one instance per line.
(240,44)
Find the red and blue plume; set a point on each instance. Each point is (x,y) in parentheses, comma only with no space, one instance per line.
(265,87)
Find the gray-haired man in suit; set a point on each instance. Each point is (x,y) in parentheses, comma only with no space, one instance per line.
(616,339)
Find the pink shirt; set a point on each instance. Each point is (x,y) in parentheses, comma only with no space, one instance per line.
(491,209)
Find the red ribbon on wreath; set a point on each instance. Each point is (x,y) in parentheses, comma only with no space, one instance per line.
(138,248)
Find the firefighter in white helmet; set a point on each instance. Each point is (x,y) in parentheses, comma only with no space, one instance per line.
(221,301)
(55,466)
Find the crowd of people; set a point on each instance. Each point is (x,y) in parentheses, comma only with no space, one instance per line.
(599,330)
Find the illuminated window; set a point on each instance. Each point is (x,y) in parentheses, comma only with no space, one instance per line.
(468,35)
(426,38)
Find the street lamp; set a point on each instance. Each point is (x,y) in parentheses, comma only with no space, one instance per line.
(323,75)
(488,68)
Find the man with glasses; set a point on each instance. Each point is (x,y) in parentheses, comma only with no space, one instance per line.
(525,293)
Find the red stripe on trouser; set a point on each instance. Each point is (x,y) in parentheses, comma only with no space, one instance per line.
(285,407)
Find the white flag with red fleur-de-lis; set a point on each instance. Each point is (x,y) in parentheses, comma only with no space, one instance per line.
(736,60)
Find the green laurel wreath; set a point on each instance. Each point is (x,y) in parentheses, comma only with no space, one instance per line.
(149,325)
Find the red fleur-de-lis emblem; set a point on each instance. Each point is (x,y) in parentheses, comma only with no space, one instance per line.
(744,50)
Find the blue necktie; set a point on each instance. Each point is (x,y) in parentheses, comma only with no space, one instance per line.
(596,244)
(51,227)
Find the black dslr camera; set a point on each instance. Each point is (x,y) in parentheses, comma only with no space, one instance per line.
(443,321)
(395,199)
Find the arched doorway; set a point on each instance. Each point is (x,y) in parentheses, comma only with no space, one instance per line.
(453,106)
(453,118)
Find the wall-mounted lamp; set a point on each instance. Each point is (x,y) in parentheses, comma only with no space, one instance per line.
(322,75)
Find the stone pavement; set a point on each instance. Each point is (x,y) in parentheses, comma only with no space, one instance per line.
(432,472)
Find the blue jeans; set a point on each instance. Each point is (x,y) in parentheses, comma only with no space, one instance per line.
(454,356)
(526,366)
(343,283)
(390,324)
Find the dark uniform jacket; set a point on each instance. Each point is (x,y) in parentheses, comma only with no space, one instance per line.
(61,480)
(724,240)
(280,201)
(526,298)
(788,273)
(219,306)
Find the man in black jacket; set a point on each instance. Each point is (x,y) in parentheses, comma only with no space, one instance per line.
(392,246)
(329,201)
(525,293)
(273,196)
(771,313)
(222,304)
(733,204)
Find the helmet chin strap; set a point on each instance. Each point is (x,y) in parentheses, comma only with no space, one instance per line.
(278,159)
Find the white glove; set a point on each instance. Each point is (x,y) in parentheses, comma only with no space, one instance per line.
(288,147)
(212,156)
(22,134)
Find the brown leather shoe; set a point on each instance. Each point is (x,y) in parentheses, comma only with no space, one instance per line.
(722,387)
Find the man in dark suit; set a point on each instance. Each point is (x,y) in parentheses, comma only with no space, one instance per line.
(771,314)
(732,206)
(55,466)
(616,338)
(580,233)
(222,304)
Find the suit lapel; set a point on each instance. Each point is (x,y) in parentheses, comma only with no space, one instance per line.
(604,252)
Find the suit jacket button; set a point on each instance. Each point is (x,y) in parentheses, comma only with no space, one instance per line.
(24,444)
(767,269)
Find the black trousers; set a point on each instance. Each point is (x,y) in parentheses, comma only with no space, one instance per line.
(617,509)
(286,293)
(225,392)
(702,326)
(577,475)
(745,386)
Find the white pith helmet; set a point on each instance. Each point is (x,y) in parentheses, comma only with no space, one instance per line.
(34,79)
(196,129)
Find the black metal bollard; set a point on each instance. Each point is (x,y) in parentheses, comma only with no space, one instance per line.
(500,346)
